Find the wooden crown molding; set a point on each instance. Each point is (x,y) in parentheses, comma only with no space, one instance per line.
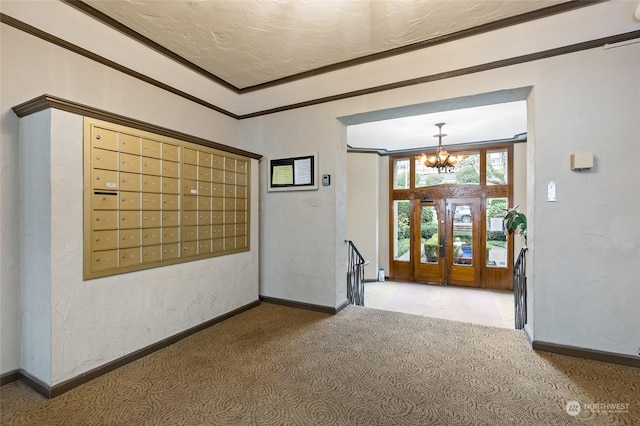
(47,101)
(590,44)
(469,32)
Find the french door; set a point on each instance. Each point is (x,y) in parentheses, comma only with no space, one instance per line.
(445,241)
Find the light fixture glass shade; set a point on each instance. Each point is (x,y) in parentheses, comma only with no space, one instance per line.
(442,160)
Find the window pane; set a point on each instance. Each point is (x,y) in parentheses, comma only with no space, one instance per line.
(401,230)
(497,167)
(401,173)
(466,172)
(496,239)
(429,234)
(462,235)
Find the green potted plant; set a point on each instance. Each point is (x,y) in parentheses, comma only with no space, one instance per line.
(431,249)
(516,222)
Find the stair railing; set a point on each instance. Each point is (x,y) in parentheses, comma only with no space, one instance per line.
(520,289)
(355,275)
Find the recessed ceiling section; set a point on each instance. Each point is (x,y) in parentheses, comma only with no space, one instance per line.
(251,42)
(487,123)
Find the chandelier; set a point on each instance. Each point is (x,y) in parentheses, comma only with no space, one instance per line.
(441,160)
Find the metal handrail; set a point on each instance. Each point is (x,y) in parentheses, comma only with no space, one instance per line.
(355,275)
(520,289)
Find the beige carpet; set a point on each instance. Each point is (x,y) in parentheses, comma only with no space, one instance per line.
(274,365)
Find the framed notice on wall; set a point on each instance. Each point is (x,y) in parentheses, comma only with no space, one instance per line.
(294,173)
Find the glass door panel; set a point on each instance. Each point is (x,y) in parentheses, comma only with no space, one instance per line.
(497,243)
(463,227)
(429,243)
(463,234)
(401,231)
(429,237)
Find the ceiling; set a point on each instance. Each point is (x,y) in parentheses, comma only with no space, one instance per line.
(248,43)
(486,123)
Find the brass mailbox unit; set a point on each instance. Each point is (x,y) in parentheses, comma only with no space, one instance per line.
(152,200)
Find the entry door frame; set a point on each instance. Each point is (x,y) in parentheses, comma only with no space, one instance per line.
(489,277)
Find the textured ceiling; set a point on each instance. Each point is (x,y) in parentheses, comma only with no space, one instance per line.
(252,42)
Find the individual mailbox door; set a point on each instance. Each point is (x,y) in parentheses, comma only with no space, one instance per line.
(129,257)
(190,217)
(204,159)
(170,218)
(170,152)
(230,164)
(130,182)
(151,166)
(189,233)
(129,238)
(102,260)
(204,246)
(151,219)
(151,183)
(169,185)
(190,171)
(129,200)
(129,219)
(204,188)
(105,240)
(204,232)
(151,201)
(218,162)
(217,245)
(130,163)
(204,173)
(170,169)
(105,179)
(189,187)
(189,156)
(151,148)
(106,139)
(170,235)
(169,202)
(129,144)
(189,202)
(103,159)
(151,254)
(170,251)
(151,236)
(104,219)
(190,248)
(104,201)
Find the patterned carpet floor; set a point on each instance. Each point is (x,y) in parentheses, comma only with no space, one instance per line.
(274,365)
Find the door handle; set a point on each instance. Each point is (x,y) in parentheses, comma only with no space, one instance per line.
(442,245)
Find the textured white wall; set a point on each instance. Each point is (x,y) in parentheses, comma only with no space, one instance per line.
(583,280)
(35,197)
(97,321)
(586,245)
(363,208)
(299,250)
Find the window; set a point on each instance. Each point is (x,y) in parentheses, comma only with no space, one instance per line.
(401,231)
(497,167)
(401,172)
(467,172)
(496,238)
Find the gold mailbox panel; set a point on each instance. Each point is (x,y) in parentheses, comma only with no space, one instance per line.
(151,200)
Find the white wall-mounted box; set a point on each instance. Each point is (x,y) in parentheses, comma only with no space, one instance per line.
(582,161)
